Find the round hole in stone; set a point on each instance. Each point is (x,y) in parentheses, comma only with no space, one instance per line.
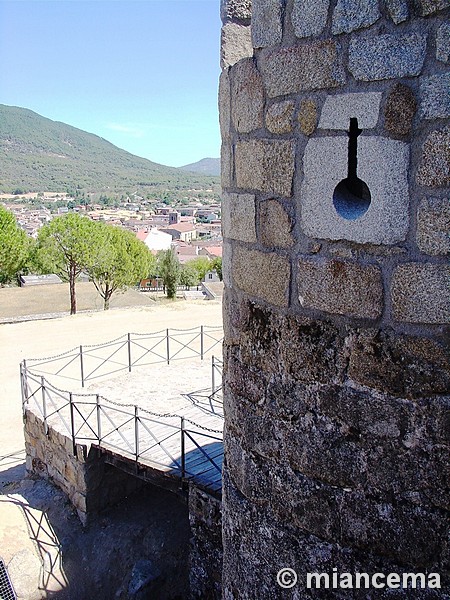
(351,198)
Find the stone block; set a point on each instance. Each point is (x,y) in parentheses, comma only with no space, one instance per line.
(350,15)
(341,287)
(400,109)
(309,17)
(421,293)
(429,7)
(435,96)
(226,165)
(236,9)
(382,164)
(265,165)
(433,226)
(312,66)
(247,96)
(338,110)
(307,116)
(235,44)
(267,27)
(279,117)
(266,276)
(387,56)
(225,105)
(275,225)
(443,42)
(402,366)
(434,168)
(398,10)
(238,217)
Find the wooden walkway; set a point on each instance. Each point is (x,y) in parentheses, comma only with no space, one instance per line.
(189,451)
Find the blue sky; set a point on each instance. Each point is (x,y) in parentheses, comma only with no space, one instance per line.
(143,74)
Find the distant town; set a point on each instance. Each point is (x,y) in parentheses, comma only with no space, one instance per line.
(192,227)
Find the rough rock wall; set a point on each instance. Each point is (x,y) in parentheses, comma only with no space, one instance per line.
(337,293)
(90,484)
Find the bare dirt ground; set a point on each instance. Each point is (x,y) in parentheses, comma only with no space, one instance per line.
(47,551)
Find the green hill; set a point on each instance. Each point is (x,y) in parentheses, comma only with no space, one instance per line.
(206,166)
(38,154)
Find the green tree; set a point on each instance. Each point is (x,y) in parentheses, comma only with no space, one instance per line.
(168,268)
(64,247)
(188,275)
(121,260)
(202,265)
(216,265)
(14,246)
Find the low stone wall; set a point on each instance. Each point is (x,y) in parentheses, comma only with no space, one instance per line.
(81,472)
(92,484)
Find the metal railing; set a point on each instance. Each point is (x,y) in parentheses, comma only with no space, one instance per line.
(89,362)
(168,442)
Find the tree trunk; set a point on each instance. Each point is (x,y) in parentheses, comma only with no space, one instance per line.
(106,297)
(73,300)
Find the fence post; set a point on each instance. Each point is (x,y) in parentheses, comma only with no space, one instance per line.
(81,366)
(201,342)
(44,405)
(213,376)
(183,450)
(129,352)
(168,347)
(99,419)
(136,432)
(72,424)
(22,387)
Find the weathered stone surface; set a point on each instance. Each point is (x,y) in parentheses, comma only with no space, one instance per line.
(226,165)
(428,7)
(279,117)
(338,110)
(238,217)
(350,15)
(341,287)
(267,28)
(382,164)
(265,165)
(275,225)
(224,105)
(307,116)
(400,109)
(236,9)
(311,66)
(236,44)
(226,264)
(443,42)
(266,276)
(421,293)
(247,96)
(434,168)
(433,226)
(403,366)
(398,10)
(310,350)
(205,557)
(387,56)
(309,17)
(435,96)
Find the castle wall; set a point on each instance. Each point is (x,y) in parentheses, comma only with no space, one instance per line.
(337,298)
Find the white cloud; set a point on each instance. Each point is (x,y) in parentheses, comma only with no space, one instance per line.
(132,130)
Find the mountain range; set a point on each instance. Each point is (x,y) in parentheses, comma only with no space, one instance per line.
(38,154)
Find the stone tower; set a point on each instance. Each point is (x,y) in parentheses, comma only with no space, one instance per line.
(335,166)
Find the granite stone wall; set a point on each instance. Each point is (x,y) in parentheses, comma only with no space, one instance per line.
(336,218)
(80,471)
